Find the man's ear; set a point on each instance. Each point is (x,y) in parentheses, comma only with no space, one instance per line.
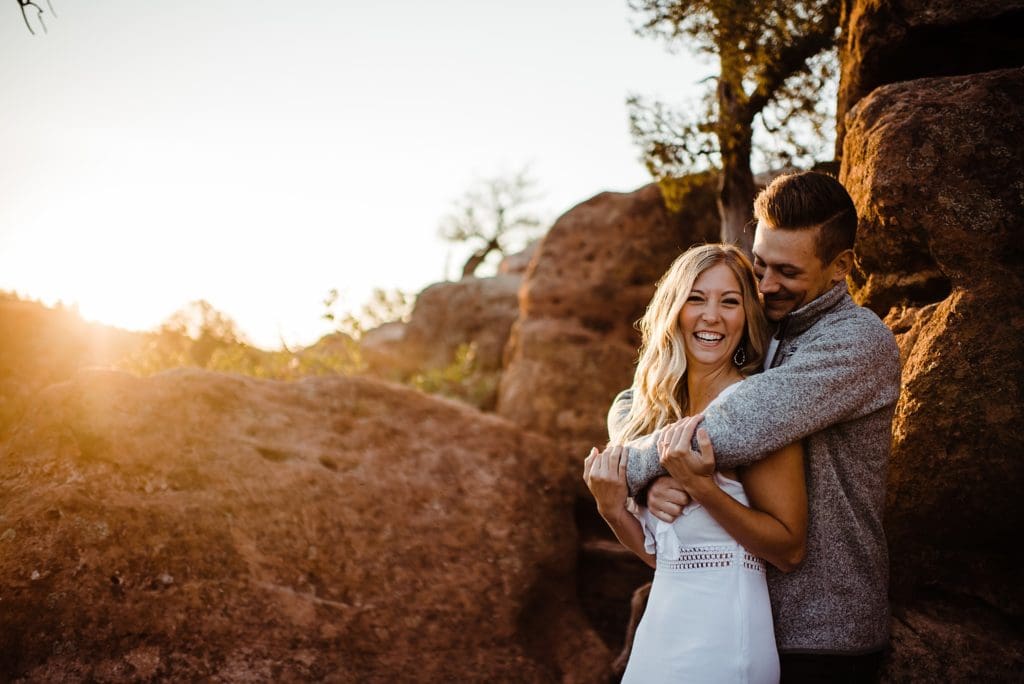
(842,265)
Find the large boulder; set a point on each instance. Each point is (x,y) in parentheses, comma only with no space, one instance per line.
(574,344)
(887,41)
(943,641)
(194,526)
(517,263)
(472,310)
(936,167)
(40,345)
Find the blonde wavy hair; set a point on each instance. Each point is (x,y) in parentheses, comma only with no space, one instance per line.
(659,385)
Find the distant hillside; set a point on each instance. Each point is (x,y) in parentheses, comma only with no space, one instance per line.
(40,345)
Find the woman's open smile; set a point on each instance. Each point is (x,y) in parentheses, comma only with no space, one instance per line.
(713,319)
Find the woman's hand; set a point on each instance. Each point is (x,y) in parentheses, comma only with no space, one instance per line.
(605,475)
(691,469)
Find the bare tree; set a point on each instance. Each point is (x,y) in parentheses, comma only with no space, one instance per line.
(27,5)
(492,215)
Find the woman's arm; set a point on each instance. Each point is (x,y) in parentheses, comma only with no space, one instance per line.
(605,475)
(775,528)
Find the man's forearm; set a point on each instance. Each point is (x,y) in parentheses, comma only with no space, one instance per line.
(644,464)
(829,380)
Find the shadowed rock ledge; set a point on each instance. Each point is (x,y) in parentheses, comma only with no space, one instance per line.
(197,525)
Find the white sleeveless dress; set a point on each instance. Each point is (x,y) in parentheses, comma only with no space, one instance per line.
(708,617)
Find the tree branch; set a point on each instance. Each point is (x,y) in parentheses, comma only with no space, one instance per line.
(792,58)
(39,14)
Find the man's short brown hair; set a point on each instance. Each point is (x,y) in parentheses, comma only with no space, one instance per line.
(810,200)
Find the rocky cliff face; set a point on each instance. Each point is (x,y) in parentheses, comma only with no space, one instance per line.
(887,41)
(936,169)
(195,525)
(472,310)
(573,346)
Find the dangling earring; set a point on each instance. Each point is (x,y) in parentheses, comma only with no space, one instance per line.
(739,357)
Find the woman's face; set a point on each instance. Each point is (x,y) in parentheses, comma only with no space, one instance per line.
(712,319)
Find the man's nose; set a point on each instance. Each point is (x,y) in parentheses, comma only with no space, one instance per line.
(768,284)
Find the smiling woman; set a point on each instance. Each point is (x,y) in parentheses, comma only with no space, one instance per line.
(712,319)
(708,616)
(669,326)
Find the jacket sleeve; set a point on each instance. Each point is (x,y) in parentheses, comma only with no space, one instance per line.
(643,464)
(847,373)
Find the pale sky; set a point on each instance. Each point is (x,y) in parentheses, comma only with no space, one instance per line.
(257,154)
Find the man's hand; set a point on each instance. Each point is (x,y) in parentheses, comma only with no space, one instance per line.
(692,470)
(605,475)
(666,499)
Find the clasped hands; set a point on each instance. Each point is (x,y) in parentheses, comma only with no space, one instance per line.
(690,471)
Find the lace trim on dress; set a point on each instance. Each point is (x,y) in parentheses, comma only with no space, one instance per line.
(712,557)
(752,562)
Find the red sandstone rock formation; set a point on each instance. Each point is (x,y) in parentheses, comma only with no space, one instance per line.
(477,310)
(886,41)
(196,525)
(516,264)
(41,345)
(574,345)
(936,169)
(447,315)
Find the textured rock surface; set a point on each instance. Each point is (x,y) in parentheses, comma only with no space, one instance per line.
(574,345)
(936,169)
(516,264)
(886,41)
(477,311)
(471,310)
(195,525)
(40,346)
(942,641)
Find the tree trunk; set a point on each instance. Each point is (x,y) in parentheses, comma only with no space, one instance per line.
(477,258)
(736,199)
(736,193)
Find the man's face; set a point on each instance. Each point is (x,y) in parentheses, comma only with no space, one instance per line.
(788,269)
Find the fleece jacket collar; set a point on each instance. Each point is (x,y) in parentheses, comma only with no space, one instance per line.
(796,322)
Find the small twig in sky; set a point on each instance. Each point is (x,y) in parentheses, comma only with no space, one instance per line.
(39,13)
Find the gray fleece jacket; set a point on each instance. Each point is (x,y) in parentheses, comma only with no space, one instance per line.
(833,383)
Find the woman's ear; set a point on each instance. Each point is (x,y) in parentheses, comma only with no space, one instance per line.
(842,265)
